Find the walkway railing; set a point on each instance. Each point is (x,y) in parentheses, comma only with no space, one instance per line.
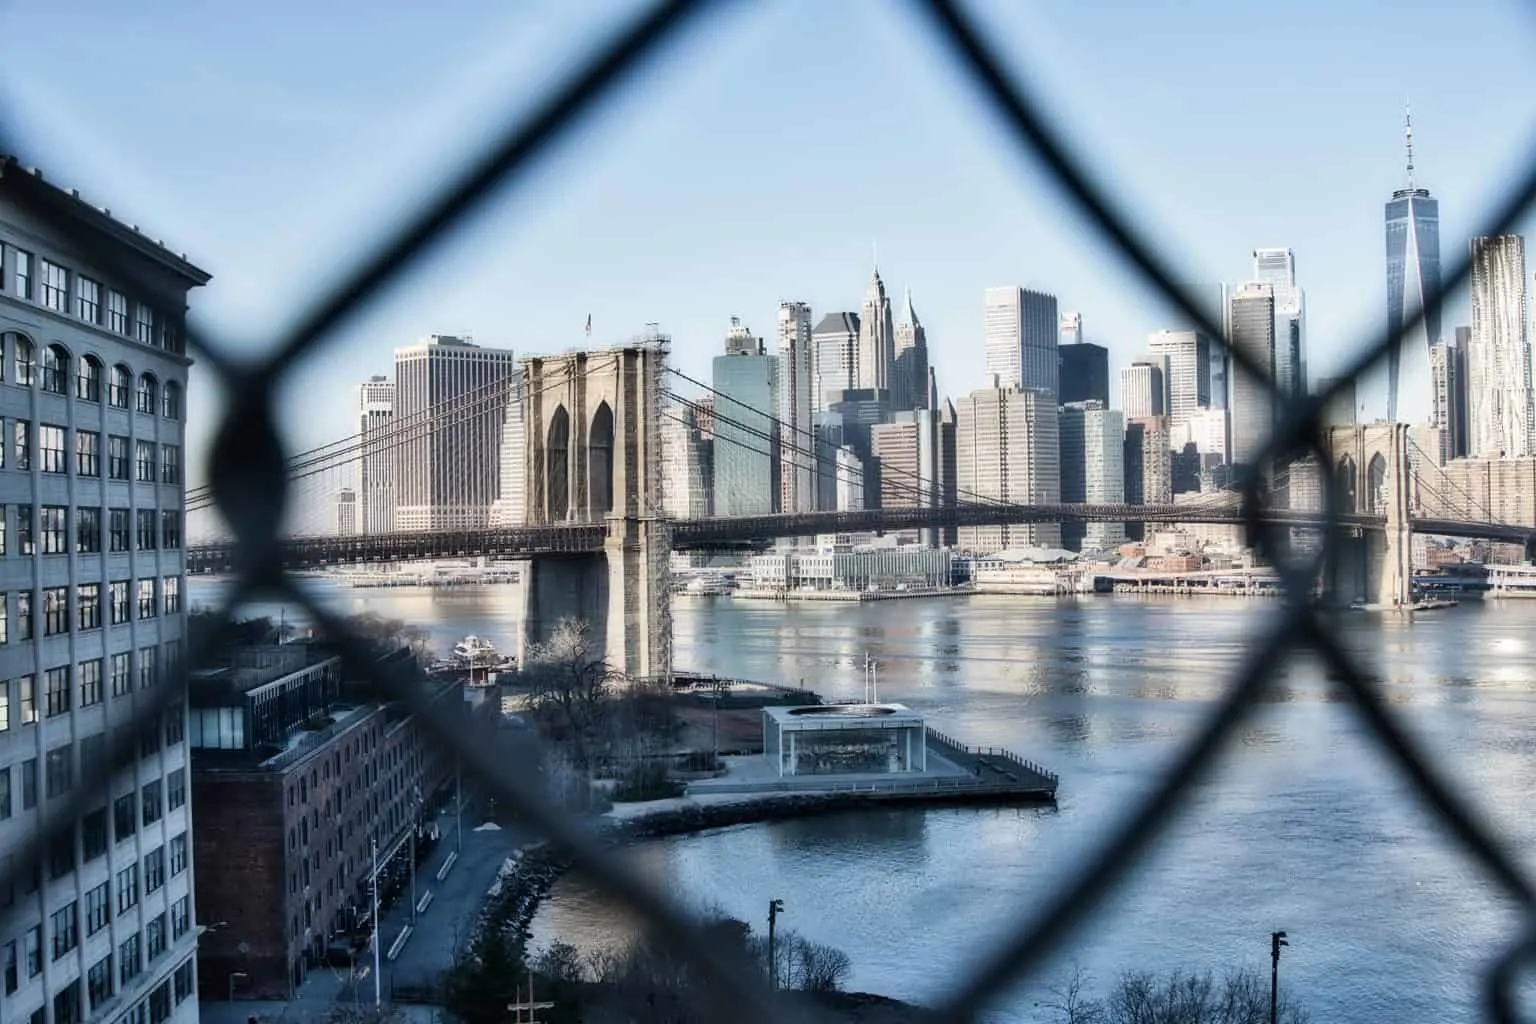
(993,753)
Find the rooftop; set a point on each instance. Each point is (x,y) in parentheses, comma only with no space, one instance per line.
(843,716)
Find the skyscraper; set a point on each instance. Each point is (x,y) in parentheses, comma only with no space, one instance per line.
(1413,274)
(797,440)
(1007,448)
(101,926)
(1142,391)
(909,381)
(1092,440)
(1499,414)
(746,382)
(1448,368)
(916,453)
(1187,360)
(1251,405)
(1277,268)
(1083,373)
(685,485)
(1021,329)
(346,512)
(835,365)
(376,412)
(1148,467)
(511,507)
(448,455)
(877,338)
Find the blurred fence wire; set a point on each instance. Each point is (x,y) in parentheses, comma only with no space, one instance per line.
(249,486)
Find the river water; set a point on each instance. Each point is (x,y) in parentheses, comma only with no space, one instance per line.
(1306,827)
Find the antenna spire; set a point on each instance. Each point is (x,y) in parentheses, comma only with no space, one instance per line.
(874,248)
(1408,138)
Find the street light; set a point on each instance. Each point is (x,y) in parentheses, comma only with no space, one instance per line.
(775,908)
(1276,940)
(233,975)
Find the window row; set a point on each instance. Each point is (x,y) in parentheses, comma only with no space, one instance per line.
(73,294)
(91,609)
(64,690)
(48,448)
(47,530)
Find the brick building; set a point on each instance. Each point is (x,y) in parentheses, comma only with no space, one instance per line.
(296,774)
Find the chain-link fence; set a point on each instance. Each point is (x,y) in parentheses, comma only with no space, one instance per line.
(248,482)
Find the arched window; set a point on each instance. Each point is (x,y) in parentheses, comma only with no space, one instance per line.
(121,386)
(557,477)
(55,378)
(171,400)
(88,379)
(25,355)
(1376,484)
(600,462)
(149,394)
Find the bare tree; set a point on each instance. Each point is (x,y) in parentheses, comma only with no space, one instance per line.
(1140,997)
(560,961)
(392,634)
(820,968)
(569,678)
(1070,1003)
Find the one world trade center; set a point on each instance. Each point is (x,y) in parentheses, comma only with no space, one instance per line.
(1413,275)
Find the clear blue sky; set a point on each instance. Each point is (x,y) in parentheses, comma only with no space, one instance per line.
(761,159)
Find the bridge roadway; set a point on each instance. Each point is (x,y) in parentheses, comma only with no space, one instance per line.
(724,532)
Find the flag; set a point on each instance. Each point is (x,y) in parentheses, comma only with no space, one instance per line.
(589,325)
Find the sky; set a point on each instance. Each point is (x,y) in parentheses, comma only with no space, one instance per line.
(764,155)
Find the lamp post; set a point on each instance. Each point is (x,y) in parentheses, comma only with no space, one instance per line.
(232,976)
(775,908)
(1276,940)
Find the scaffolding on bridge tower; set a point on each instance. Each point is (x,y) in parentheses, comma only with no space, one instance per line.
(659,561)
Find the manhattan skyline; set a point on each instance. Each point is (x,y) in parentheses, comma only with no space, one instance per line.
(645,216)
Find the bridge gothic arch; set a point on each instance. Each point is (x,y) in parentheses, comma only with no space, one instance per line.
(600,462)
(1345,477)
(1375,483)
(557,468)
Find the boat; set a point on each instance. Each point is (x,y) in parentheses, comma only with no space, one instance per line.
(475,651)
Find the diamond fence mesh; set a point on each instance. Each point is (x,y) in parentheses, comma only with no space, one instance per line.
(249,486)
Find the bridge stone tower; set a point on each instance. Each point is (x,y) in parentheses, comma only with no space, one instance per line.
(591,420)
(1372,474)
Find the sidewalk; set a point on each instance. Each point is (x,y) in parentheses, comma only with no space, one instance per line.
(431,948)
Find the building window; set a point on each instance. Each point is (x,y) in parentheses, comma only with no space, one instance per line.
(129,961)
(61,856)
(119,536)
(55,377)
(178,854)
(56,691)
(87,530)
(55,611)
(53,523)
(146,602)
(149,746)
(93,831)
(23,273)
(24,615)
(98,982)
(2,526)
(117,312)
(59,774)
(170,530)
(150,804)
(170,591)
(98,908)
(55,285)
(120,387)
(87,453)
(148,395)
(176,789)
(160,1004)
(154,870)
(148,666)
(181,918)
(173,658)
(32,950)
(90,669)
(117,457)
(25,359)
(88,299)
(12,965)
(93,755)
(88,611)
(144,325)
(66,1004)
(171,400)
(21,435)
(154,937)
(26,691)
(183,981)
(122,678)
(170,464)
(29,784)
(125,821)
(144,520)
(50,449)
(5,716)
(175,718)
(65,926)
(88,379)
(144,459)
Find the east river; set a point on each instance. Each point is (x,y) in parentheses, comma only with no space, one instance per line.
(1306,827)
